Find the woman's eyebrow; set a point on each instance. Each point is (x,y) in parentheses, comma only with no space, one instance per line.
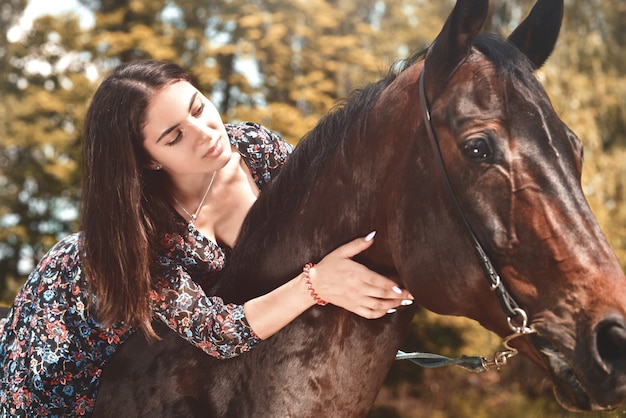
(170,129)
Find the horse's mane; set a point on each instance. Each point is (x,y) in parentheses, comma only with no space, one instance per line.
(282,197)
(292,182)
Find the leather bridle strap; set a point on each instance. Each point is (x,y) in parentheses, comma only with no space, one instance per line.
(509,305)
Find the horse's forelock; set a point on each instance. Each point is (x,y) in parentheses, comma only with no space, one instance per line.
(507,59)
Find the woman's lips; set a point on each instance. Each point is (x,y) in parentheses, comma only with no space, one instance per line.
(214,149)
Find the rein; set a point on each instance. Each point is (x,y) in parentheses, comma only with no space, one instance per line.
(514,313)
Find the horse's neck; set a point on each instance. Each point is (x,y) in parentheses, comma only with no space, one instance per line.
(340,204)
(375,179)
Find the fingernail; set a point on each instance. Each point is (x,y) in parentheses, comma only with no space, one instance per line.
(397,290)
(406,302)
(370,236)
(392,310)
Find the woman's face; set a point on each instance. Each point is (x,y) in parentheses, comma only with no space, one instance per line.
(184,132)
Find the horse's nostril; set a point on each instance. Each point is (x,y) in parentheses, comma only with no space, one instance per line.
(611,341)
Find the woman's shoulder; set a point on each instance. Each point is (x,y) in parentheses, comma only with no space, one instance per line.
(70,245)
(262,150)
(65,254)
(254,134)
(60,264)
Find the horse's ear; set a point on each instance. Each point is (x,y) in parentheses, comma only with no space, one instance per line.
(537,34)
(454,42)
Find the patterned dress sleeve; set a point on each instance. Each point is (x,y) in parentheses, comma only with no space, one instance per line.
(219,329)
(263,151)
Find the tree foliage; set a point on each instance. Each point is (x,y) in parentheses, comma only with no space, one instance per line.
(283,63)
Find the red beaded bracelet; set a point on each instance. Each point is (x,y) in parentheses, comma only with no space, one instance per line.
(309,285)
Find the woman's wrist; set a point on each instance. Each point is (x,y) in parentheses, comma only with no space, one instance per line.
(267,314)
(307,271)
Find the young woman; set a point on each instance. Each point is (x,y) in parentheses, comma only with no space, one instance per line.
(166,188)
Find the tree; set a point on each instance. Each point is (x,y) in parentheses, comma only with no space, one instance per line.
(44,95)
(285,63)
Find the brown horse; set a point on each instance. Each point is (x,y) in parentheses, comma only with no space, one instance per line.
(514,170)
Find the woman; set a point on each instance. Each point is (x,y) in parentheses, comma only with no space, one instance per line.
(166,188)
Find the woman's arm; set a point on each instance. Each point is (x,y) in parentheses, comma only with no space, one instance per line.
(226,330)
(337,279)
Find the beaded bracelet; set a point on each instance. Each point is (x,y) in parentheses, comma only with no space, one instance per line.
(309,285)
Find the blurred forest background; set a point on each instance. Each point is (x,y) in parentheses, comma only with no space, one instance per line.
(284,63)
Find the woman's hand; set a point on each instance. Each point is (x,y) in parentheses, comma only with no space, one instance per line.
(339,280)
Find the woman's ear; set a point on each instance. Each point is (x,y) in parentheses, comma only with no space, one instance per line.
(153,165)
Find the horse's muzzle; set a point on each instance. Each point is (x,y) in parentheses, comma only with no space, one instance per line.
(591,376)
(611,345)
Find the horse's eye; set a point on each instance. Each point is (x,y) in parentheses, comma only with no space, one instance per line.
(477,149)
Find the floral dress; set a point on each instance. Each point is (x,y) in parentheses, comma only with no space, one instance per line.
(52,349)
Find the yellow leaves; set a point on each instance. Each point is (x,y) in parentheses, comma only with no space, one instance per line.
(280,117)
(60,169)
(331,44)
(252,20)
(227,49)
(326,20)
(206,76)
(274,34)
(110,19)
(137,6)
(139,35)
(36,120)
(322,15)
(47,102)
(315,89)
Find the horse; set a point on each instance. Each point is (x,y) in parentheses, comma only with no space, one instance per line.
(462,166)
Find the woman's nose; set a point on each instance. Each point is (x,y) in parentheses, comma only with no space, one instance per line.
(205,134)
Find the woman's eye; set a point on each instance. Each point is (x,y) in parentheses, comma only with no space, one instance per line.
(176,140)
(477,149)
(198,111)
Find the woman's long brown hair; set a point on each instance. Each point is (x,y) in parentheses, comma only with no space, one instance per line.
(124,207)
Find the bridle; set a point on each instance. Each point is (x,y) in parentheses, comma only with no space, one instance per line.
(516,316)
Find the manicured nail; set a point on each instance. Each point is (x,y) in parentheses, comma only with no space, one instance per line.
(406,302)
(370,236)
(392,310)
(397,290)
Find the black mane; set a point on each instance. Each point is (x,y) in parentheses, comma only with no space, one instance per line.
(329,137)
(281,198)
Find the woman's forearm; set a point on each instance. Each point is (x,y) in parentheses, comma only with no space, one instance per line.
(338,280)
(269,313)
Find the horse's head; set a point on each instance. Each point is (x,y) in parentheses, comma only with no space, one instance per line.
(515,169)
